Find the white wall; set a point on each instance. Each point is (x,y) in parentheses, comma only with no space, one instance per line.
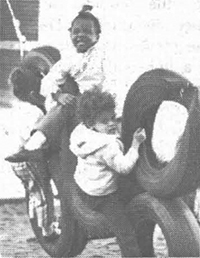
(139,35)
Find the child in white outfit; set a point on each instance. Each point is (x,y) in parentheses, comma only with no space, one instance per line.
(100,161)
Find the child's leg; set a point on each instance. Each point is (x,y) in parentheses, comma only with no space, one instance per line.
(52,123)
(50,127)
(114,211)
(119,223)
(47,131)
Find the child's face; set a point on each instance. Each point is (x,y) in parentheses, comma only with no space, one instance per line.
(83,34)
(106,123)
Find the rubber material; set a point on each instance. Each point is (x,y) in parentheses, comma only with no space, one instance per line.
(178,225)
(181,175)
(62,245)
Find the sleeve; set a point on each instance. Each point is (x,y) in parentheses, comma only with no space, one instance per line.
(50,83)
(115,159)
(24,118)
(54,78)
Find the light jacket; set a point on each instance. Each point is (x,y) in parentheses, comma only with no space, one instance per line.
(100,160)
(89,69)
(86,68)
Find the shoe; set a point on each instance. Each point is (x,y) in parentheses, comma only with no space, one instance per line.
(26,155)
(52,237)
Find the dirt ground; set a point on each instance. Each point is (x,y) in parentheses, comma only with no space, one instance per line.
(17,238)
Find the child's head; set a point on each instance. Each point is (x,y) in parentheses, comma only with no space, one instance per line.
(23,82)
(85,30)
(96,109)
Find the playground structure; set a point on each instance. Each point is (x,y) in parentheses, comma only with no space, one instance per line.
(152,193)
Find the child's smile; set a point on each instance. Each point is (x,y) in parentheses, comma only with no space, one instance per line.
(83,35)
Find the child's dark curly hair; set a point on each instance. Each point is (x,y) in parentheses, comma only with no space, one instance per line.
(86,14)
(92,103)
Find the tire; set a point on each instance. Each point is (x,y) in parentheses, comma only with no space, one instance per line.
(61,245)
(52,52)
(41,59)
(79,242)
(181,175)
(93,223)
(175,219)
(60,176)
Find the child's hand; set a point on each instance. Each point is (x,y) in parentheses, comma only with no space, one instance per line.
(138,137)
(65,98)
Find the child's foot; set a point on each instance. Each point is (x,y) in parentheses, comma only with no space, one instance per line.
(51,237)
(33,150)
(53,232)
(36,141)
(26,155)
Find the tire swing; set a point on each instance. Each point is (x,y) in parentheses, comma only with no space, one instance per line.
(180,230)
(179,176)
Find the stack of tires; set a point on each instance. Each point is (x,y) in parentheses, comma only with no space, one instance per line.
(157,201)
(181,175)
(164,184)
(157,188)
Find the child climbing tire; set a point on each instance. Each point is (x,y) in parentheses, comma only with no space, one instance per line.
(181,175)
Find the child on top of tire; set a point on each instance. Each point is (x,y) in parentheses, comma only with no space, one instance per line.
(100,161)
(85,64)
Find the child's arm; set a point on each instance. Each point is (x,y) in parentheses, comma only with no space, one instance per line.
(63,98)
(55,77)
(121,163)
(51,82)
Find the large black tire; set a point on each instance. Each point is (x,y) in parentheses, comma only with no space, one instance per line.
(181,175)
(60,175)
(41,59)
(93,223)
(62,245)
(175,219)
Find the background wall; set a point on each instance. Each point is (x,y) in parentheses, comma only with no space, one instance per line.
(139,35)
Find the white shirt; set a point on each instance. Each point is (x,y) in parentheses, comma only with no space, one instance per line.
(18,123)
(86,68)
(100,160)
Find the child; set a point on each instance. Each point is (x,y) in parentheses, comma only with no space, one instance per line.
(25,111)
(85,65)
(101,160)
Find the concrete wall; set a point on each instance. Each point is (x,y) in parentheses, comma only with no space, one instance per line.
(139,35)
